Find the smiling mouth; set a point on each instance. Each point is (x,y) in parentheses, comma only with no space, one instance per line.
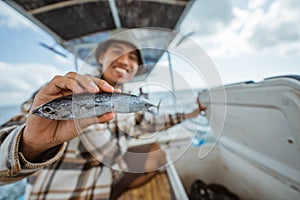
(121,70)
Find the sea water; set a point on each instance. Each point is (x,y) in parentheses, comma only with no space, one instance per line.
(7,112)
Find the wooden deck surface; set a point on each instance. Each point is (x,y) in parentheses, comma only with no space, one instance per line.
(157,188)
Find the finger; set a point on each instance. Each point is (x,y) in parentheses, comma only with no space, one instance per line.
(117,90)
(201,107)
(83,123)
(59,84)
(92,84)
(198,102)
(67,83)
(86,82)
(71,75)
(106,117)
(103,85)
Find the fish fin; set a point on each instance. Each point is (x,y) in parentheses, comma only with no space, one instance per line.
(151,111)
(158,106)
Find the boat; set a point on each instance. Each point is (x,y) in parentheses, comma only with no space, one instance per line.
(256,155)
(248,141)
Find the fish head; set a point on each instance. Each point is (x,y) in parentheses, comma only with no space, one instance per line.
(52,111)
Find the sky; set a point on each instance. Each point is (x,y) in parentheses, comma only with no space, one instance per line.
(245,40)
(248,40)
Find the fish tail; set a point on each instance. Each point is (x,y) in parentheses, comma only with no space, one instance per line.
(158,105)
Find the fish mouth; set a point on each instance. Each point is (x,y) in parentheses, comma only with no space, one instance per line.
(36,111)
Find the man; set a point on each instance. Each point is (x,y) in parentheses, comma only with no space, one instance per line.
(64,165)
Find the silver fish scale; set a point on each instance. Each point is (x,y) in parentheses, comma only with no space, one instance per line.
(86,105)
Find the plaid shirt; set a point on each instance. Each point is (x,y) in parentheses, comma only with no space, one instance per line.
(80,168)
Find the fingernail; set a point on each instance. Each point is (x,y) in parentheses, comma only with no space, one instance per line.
(106,85)
(93,86)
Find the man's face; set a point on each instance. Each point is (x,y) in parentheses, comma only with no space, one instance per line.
(119,63)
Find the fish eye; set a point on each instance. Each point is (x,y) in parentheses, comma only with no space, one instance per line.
(48,110)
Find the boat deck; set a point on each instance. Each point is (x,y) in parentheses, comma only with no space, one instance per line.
(157,188)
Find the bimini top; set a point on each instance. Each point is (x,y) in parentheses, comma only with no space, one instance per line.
(79,25)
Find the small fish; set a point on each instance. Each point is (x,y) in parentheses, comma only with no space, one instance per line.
(86,105)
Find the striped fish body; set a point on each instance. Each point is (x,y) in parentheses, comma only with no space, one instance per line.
(87,105)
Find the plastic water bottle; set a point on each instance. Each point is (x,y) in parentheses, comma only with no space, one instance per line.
(201,132)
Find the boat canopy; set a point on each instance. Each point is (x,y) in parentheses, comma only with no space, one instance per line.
(79,25)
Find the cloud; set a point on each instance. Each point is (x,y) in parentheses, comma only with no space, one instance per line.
(263,26)
(208,16)
(12,19)
(254,4)
(19,81)
(278,26)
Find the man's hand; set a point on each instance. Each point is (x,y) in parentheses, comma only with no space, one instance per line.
(41,134)
(197,111)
